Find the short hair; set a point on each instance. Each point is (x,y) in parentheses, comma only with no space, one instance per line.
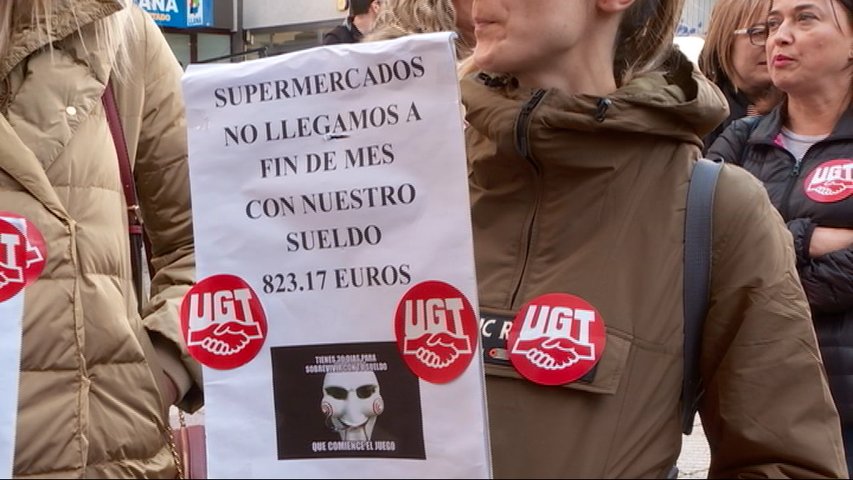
(716,61)
(359,7)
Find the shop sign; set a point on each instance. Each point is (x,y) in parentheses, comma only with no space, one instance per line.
(179,13)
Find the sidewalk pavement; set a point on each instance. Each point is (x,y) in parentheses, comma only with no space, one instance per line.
(695,456)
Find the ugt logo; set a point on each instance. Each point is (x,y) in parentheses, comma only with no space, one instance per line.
(436,331)
(830,182)
(556,339)
(223,322)
(22,254)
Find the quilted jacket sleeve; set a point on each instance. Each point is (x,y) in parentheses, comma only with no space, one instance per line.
(162,178)
(730,145)
(826,279)
(767,409)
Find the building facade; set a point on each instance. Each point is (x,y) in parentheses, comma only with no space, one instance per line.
(234,30)
(694,18)
(197,30)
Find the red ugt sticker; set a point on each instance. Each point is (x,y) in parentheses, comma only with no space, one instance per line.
(436,331)
(556,339)
(830,182)
(223,322)
(22,254)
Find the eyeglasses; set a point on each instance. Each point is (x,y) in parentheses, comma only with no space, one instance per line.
(757,34)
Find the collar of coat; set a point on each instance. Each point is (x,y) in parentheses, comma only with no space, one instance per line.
(771,124)
(69,16)
(677,102)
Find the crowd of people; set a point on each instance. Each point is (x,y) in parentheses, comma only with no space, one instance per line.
(583,126)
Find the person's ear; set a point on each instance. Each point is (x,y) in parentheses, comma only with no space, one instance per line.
(614,6)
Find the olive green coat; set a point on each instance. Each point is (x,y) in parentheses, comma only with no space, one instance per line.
(587,197)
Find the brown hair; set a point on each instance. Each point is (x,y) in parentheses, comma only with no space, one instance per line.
(715,61)
(398,18)
(644,39)
(359,7)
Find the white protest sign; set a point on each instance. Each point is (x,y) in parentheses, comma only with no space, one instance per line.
(336,308)
(11,312)
(22,256)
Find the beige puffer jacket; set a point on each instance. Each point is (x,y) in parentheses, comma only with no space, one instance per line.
(89,404)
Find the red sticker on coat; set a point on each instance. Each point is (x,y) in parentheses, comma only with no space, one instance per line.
(556,339)
(830,182)
(22,254)
(223,322)
(436,330)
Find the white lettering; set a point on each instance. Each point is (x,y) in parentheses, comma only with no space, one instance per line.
(485,325)
(9,242)
(430,316)
(557,322)
(505,328)
(159,5)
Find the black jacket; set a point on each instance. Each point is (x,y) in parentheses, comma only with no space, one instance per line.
(806,202)
(346,33)
(738,104)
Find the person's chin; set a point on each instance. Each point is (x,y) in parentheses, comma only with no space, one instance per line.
(788,84)
(484,58)
(490,56)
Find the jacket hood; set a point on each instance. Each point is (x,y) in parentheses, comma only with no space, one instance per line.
(679,103)
(29,35)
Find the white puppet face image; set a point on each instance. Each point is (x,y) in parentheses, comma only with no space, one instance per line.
(351,402)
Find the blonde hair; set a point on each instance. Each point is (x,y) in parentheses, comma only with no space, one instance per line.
(112,34)
(716,61)
(398,18)
(644,39)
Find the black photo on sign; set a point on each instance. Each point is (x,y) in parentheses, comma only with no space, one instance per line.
(346,400)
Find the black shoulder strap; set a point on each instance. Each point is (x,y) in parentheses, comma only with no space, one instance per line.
(697,278)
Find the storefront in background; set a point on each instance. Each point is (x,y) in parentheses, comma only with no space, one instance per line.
(201,30)
(197,30)
(286,26)
(694,18)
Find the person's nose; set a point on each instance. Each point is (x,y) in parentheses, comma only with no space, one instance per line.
(783,35)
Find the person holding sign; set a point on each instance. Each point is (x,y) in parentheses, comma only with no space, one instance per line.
(95,379)
(584,128)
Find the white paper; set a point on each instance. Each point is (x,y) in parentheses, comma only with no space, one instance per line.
(393,178)
(11,314)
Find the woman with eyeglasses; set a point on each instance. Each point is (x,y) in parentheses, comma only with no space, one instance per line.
(803,153)
(734,64)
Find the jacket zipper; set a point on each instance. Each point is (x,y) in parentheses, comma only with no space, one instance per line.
(785,205)
(522,144)
(792,180)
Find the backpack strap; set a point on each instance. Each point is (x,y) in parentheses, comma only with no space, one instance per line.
(697,280)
